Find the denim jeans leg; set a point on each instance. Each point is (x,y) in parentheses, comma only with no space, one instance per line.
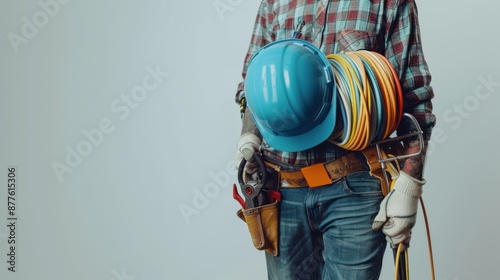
(325,232)
(352,249)
(299,255)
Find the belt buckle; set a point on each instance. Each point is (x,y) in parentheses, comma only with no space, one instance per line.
(316,175)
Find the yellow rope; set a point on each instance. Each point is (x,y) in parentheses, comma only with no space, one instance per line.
(396,264)
(429,242)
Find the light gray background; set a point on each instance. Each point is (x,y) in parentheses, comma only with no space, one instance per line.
(117,214)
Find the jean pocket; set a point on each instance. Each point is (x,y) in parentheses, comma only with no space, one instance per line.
(362,184)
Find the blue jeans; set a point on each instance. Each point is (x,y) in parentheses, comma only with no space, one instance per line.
(325,232)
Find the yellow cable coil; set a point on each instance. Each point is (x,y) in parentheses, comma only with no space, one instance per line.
(372,108)
(371,98)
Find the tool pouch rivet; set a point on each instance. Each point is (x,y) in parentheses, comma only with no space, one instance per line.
(263,225)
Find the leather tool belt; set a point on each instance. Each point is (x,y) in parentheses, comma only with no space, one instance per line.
(322,174)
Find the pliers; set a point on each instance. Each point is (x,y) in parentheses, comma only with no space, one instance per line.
(256,193)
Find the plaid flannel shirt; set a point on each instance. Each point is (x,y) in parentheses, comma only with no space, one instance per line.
(389,27)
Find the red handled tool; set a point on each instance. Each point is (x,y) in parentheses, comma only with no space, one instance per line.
(255,192)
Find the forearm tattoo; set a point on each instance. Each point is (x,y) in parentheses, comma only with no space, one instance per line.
(414,166)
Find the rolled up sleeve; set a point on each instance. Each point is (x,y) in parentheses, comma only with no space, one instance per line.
(404,50)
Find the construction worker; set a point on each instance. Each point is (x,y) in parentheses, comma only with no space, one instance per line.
(339,230)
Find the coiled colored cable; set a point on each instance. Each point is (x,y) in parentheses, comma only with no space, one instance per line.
(371,98)
(372,108)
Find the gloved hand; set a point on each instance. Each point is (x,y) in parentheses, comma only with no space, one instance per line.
(398,210)
(248,144)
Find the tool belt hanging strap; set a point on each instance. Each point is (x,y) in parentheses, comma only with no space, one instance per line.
(376,168)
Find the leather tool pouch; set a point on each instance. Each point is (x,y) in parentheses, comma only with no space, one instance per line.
(263,225)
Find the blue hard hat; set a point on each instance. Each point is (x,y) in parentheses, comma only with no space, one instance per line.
(289,88)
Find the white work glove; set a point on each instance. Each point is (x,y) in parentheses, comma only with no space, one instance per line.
(398,210)
(248,144)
